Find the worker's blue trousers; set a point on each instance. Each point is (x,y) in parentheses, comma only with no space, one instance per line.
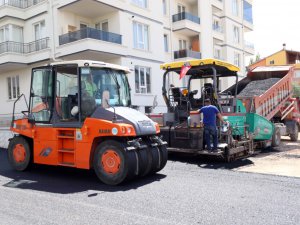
(211,131)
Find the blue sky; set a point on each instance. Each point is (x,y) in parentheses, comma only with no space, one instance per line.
(275,22)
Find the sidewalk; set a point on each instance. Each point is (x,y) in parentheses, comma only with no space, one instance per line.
(284,160)
(5,134)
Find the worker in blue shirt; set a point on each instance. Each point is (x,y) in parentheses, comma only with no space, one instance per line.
(210,113)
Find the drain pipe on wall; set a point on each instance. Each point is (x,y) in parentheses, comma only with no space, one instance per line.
(53,48)
(171,38)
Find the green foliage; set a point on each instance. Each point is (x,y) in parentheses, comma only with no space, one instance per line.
(254,60)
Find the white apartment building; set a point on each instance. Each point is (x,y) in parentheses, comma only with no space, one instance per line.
(139,34)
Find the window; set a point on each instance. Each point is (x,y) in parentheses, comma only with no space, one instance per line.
(166,43)
(140,36)
(39,33)
(102,26)
(13,85)
(41,99)
(148,109)
(217,26)
(142,80)
(248,12)
(83,25)
(4,33)
(235,7)
(164,2)
(217,52)
(39,30)
(182,44)
(180,8)
(236,35)
(237,59)
(140,3)
(11,32)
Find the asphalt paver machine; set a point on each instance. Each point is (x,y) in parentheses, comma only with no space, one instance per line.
(181,126)
(79,116)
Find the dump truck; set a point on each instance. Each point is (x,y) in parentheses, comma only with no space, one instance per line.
(273,92)
(79,116)
(248,129)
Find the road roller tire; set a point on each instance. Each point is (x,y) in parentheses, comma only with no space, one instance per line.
(112,164)
(160,158)
(144,161)
(163,157)
(155,161)
(19,153)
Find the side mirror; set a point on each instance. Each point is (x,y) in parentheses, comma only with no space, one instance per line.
(31,118)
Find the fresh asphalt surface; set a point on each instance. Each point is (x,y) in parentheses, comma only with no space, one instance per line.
(188,190)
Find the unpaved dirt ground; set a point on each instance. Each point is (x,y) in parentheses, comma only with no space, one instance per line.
(283,160)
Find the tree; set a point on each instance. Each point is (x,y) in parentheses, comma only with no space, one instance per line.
(254,60)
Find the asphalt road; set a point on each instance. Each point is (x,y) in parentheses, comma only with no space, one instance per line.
(187,191)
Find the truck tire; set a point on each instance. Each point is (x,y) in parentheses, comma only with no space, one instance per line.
(112,164)
(19,153)
(276,137)
(294,135)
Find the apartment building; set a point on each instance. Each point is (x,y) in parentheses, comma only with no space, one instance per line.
(139,34)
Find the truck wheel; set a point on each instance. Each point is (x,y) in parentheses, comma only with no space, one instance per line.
(19,153)
(276,138)
(294,135)
(111,163)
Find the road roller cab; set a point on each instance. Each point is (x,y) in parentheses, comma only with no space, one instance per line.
(79,116)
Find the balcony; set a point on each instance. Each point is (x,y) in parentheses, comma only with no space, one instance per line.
(22,4)
(218,4)
(186,24)
(218,32)
(185,53)
(92,8)
(16,55)
(90,43)
(185,16)
(24,48)
(90,33)
(23,10)
(249,48)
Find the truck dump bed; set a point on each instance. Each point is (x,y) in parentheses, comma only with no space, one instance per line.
(265,90)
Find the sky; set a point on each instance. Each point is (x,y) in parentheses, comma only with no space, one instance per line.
(275,22)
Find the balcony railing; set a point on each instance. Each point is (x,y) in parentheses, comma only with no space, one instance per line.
(185,53)
(186,16)
(23,4)
(24,48)
(248,44)
(90,33)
